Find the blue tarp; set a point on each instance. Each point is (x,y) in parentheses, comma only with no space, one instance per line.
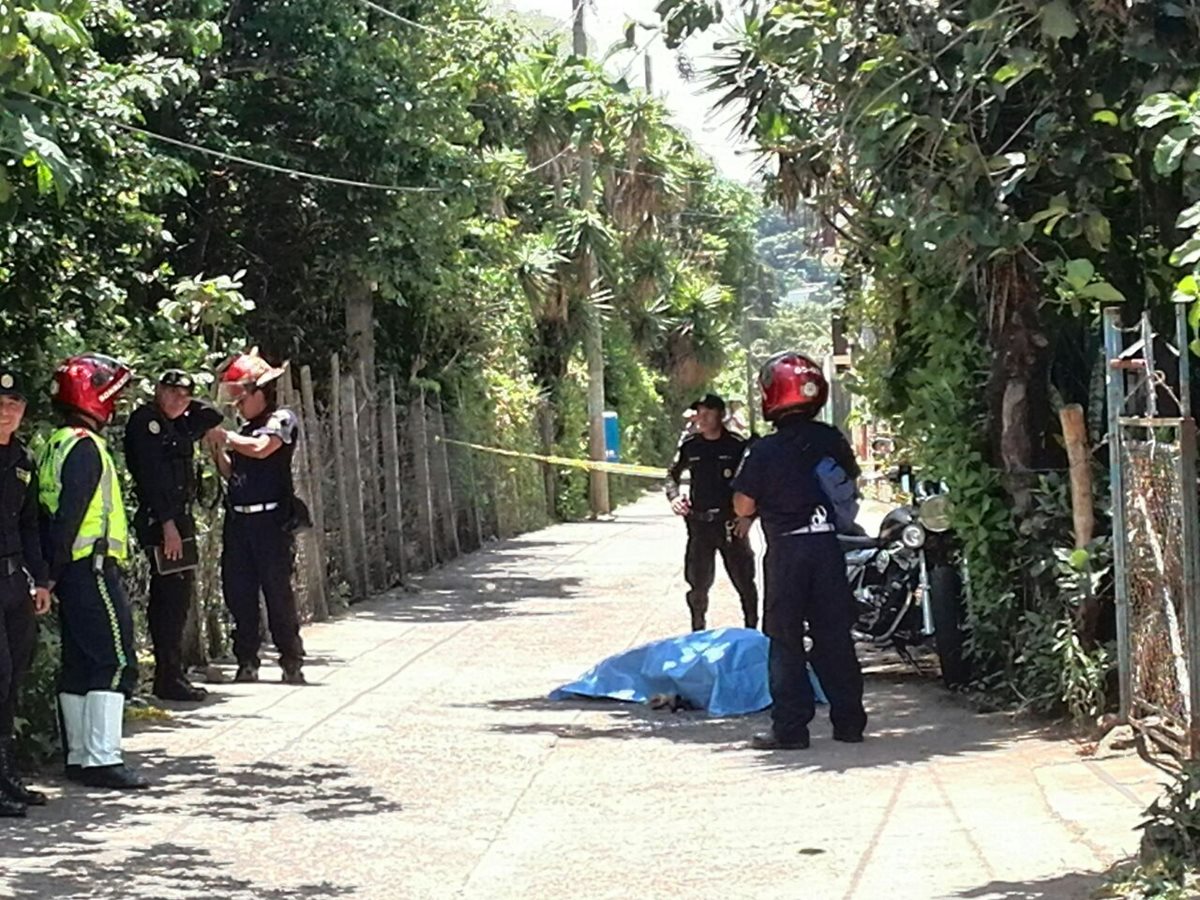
(723,670)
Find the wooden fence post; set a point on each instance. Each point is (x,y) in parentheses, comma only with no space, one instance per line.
(420,444)
(376,495)
(311,542)
(442,457)
(468,456)
(391,478)
(352,465)
(316,454)
(349,566)
(1079,456)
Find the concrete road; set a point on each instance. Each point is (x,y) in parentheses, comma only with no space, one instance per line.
(425,762)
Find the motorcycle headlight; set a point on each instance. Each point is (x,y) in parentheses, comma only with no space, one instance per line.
(913,536)
(935,513)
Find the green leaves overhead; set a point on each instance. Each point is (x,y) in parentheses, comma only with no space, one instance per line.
(1058,21)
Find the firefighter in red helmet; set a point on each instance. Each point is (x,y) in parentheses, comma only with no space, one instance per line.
(262,513)
(87,539)
(791,479)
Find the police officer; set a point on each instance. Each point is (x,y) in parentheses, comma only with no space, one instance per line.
(805,569)
(23,585)
(258,549)
(712,456)
(160,442)
(87,537)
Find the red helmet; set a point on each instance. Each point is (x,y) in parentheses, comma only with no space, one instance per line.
(89,384)
(242,372)
(791,383)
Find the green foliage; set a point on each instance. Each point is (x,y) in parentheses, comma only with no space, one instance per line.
(1170,851)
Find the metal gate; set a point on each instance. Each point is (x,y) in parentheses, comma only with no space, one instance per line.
(1152,453)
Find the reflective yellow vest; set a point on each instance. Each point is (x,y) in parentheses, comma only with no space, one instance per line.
(105,516)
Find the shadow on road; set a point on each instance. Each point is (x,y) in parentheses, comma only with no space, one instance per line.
(480,588)
(912,719)
(62,850)
(1063,887)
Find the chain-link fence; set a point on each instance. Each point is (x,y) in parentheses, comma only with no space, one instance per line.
(1154,573)
(1156,535)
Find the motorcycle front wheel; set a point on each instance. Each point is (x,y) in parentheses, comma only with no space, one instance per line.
(946,604)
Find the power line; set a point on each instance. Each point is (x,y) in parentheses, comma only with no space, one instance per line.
(231,157)
(406,21)
(397,16)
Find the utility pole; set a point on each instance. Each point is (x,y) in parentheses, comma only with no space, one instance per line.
(593,341)
(649,64)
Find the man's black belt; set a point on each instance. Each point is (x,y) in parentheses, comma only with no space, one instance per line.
(710,515)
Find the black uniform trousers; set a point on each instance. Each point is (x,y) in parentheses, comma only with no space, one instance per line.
(705,540)
(806,585)
(257,556)
(18,639)
(98,651)
(166,617)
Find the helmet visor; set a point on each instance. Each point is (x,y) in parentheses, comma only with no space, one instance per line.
(232,392)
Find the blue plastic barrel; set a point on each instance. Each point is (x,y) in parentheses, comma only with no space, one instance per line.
(612,437)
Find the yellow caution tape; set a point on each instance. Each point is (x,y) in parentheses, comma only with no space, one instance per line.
(569,462)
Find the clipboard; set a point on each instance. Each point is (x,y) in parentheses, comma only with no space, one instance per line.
(188,561)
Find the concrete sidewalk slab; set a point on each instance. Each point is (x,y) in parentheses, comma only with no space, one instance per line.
(425,762)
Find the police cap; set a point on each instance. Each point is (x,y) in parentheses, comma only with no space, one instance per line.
(11,383)
(177,378)
(710,401)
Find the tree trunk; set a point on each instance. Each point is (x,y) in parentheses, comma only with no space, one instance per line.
(546,428)
(1019,385)
(360,328)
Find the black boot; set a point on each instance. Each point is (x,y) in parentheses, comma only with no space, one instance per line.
(118,778)
(246,674)
(292,673)
(11,784)
(169,681)
(179,689)
(768,741)
(11,809)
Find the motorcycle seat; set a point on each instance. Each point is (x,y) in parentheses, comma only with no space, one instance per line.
(859,542)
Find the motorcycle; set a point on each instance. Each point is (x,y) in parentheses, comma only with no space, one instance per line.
(907,583)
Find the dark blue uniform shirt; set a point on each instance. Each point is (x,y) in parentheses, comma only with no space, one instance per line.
(20,538)
(712,464)
(779,474)
(160,454)
(265,480)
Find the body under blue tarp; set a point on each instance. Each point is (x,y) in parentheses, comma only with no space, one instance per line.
(723,670)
